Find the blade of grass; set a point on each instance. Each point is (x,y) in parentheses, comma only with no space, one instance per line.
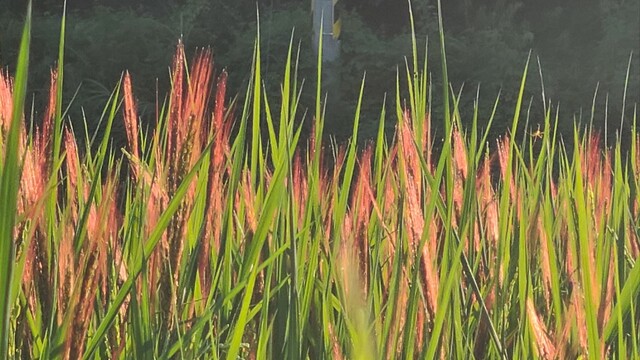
(10,174)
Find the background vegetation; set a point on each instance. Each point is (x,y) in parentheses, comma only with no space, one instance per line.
(580,44)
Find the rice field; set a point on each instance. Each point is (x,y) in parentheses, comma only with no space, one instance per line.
(225,232)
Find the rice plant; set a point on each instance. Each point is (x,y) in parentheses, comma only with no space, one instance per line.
(224,233)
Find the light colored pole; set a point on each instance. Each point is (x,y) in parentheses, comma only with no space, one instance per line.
(325,14)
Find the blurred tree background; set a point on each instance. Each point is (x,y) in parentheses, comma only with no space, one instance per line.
(581,44)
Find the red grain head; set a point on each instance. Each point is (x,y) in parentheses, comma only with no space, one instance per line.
(130,116)
(6,100)
(546,348)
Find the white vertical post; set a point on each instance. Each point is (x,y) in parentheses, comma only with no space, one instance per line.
(324,14)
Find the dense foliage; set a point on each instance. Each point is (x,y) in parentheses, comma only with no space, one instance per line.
(580,44)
